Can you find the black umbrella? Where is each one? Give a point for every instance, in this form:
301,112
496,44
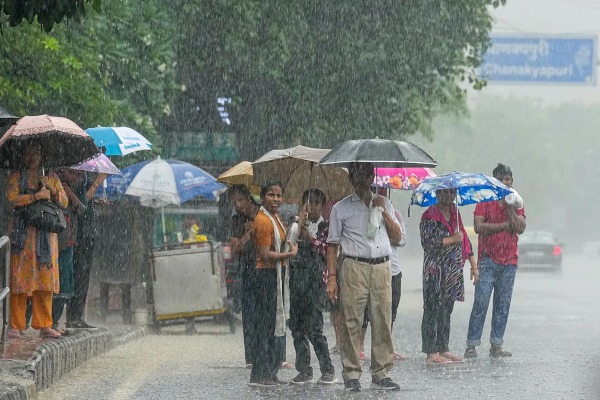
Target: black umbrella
62,141
6,118
380,152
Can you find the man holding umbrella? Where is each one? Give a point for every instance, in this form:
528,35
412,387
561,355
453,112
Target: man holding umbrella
364,277
498,225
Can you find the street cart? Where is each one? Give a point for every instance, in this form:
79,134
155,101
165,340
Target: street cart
188,281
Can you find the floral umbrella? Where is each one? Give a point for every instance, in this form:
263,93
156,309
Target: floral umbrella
470,188
62,141
401,178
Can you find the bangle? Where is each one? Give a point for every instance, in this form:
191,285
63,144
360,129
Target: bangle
330,275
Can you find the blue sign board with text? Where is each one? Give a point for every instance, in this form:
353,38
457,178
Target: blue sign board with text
541,59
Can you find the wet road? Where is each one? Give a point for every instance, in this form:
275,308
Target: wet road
553,332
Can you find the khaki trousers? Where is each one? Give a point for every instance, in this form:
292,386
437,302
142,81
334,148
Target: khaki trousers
362,284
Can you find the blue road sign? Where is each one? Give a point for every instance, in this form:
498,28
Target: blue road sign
541,59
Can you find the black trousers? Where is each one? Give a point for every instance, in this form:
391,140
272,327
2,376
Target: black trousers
435,327
396,294
248,312
82,267
263,293
307,300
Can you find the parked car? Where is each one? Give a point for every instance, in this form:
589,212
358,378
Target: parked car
538,250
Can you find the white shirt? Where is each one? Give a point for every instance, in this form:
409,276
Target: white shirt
394,257
348,227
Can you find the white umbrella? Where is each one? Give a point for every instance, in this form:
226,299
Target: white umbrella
162,182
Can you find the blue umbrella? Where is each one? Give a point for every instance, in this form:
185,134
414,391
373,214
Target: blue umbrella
161,182
119,141
470,188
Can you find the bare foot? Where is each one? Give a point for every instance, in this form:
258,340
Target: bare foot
451,357
436,358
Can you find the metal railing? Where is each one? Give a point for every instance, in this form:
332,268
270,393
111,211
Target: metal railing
5,244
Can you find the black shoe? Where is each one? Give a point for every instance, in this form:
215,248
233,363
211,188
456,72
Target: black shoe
497,352
327,379
80,325
385,384
264,383
301,379
279,381
352,385
470,352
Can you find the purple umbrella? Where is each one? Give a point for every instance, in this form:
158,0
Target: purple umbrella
100,164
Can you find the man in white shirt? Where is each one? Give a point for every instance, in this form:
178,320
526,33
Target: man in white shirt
365,276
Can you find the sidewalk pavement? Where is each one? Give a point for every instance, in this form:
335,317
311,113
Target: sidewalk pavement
30,363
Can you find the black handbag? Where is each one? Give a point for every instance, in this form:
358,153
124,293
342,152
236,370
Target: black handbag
45,216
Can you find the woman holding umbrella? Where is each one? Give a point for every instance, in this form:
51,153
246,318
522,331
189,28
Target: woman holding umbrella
446,247
34,255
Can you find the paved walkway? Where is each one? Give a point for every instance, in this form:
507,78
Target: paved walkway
30,363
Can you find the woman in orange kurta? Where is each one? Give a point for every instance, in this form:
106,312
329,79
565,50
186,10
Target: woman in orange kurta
31,274
265,289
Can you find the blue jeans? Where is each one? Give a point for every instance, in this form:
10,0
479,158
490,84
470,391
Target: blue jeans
500,279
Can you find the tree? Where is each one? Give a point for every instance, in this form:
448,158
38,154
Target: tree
117,68
46,12
316,72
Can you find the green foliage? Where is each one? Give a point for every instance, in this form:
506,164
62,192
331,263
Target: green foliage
116,69
310,72
316,72
47,12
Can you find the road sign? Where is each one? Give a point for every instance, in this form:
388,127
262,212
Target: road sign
541,59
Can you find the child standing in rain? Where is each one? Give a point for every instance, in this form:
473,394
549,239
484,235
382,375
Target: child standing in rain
307,291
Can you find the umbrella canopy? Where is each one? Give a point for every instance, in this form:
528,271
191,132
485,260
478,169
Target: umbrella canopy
381,152
401,178
62,141
119,141
470,188
100,164
6,118
297,169
162,182
240,174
